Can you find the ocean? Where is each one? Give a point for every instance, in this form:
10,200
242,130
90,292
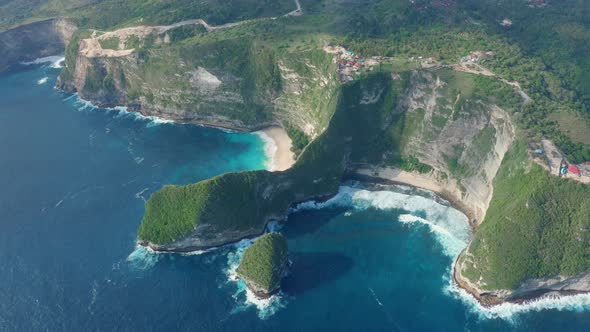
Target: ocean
73,183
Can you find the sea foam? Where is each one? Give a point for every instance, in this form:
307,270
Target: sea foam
243,296
450,226
452,231
143,258
54,60
270,150
511,311
122,111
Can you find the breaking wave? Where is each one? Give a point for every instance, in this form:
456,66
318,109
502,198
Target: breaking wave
143,258
511,311
450,226
122,111
452,231
270,150
54,60
43,80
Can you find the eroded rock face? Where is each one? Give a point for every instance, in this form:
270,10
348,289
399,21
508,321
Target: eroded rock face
444,131
195,85
33,41
530,289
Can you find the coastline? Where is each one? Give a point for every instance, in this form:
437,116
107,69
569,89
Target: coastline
277,149
423,181
277,146
400,177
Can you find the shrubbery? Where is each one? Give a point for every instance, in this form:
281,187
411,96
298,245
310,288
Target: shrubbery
264,262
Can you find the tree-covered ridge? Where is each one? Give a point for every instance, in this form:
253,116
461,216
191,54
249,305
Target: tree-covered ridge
264,262
359,132
256,196
537,226
175,211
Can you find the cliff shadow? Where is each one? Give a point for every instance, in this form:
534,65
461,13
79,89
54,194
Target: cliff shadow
310,221
312,270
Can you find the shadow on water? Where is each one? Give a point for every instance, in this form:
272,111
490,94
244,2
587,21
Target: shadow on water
311,221
312,270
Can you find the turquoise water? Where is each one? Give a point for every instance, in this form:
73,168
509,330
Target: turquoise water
73,184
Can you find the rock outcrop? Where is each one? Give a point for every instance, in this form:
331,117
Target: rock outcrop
264,264
529,290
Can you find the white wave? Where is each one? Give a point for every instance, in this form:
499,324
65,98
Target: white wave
43,80
452,245
143,258
451,229
55,61
449,225
270,150
511,311
197,252
139,194
58,64
122,111
274,226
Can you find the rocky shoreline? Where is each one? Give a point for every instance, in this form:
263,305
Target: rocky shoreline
531,290
486,299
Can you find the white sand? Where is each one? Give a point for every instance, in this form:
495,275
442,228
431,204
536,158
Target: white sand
277,148
424,181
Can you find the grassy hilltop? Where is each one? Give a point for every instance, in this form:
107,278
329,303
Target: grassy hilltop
264,263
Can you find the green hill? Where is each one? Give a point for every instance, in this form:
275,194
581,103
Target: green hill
264,263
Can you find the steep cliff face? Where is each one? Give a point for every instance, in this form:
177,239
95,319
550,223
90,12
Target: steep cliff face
32,41
442,130
208,78
463,138
455,131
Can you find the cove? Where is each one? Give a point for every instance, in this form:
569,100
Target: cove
73,184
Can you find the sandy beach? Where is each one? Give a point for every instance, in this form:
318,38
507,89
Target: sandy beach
277,148
428,182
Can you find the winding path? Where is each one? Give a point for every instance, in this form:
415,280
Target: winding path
91,47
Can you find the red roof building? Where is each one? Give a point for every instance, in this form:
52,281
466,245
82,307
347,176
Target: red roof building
573,169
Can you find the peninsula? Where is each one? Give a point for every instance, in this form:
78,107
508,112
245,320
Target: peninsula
438,94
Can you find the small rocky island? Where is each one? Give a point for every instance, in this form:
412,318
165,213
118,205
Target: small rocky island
264,263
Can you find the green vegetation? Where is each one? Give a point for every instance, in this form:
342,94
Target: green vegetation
412,164
103,14
111,43
174,211
264,262
536,226
255,196
17,12
106,14
298,138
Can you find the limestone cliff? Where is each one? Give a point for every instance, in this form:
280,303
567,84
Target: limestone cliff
211,79
32,41
446,124
462,138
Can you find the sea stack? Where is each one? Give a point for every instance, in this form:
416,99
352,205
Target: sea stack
264,263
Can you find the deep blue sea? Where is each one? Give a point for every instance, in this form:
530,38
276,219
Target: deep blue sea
73,181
